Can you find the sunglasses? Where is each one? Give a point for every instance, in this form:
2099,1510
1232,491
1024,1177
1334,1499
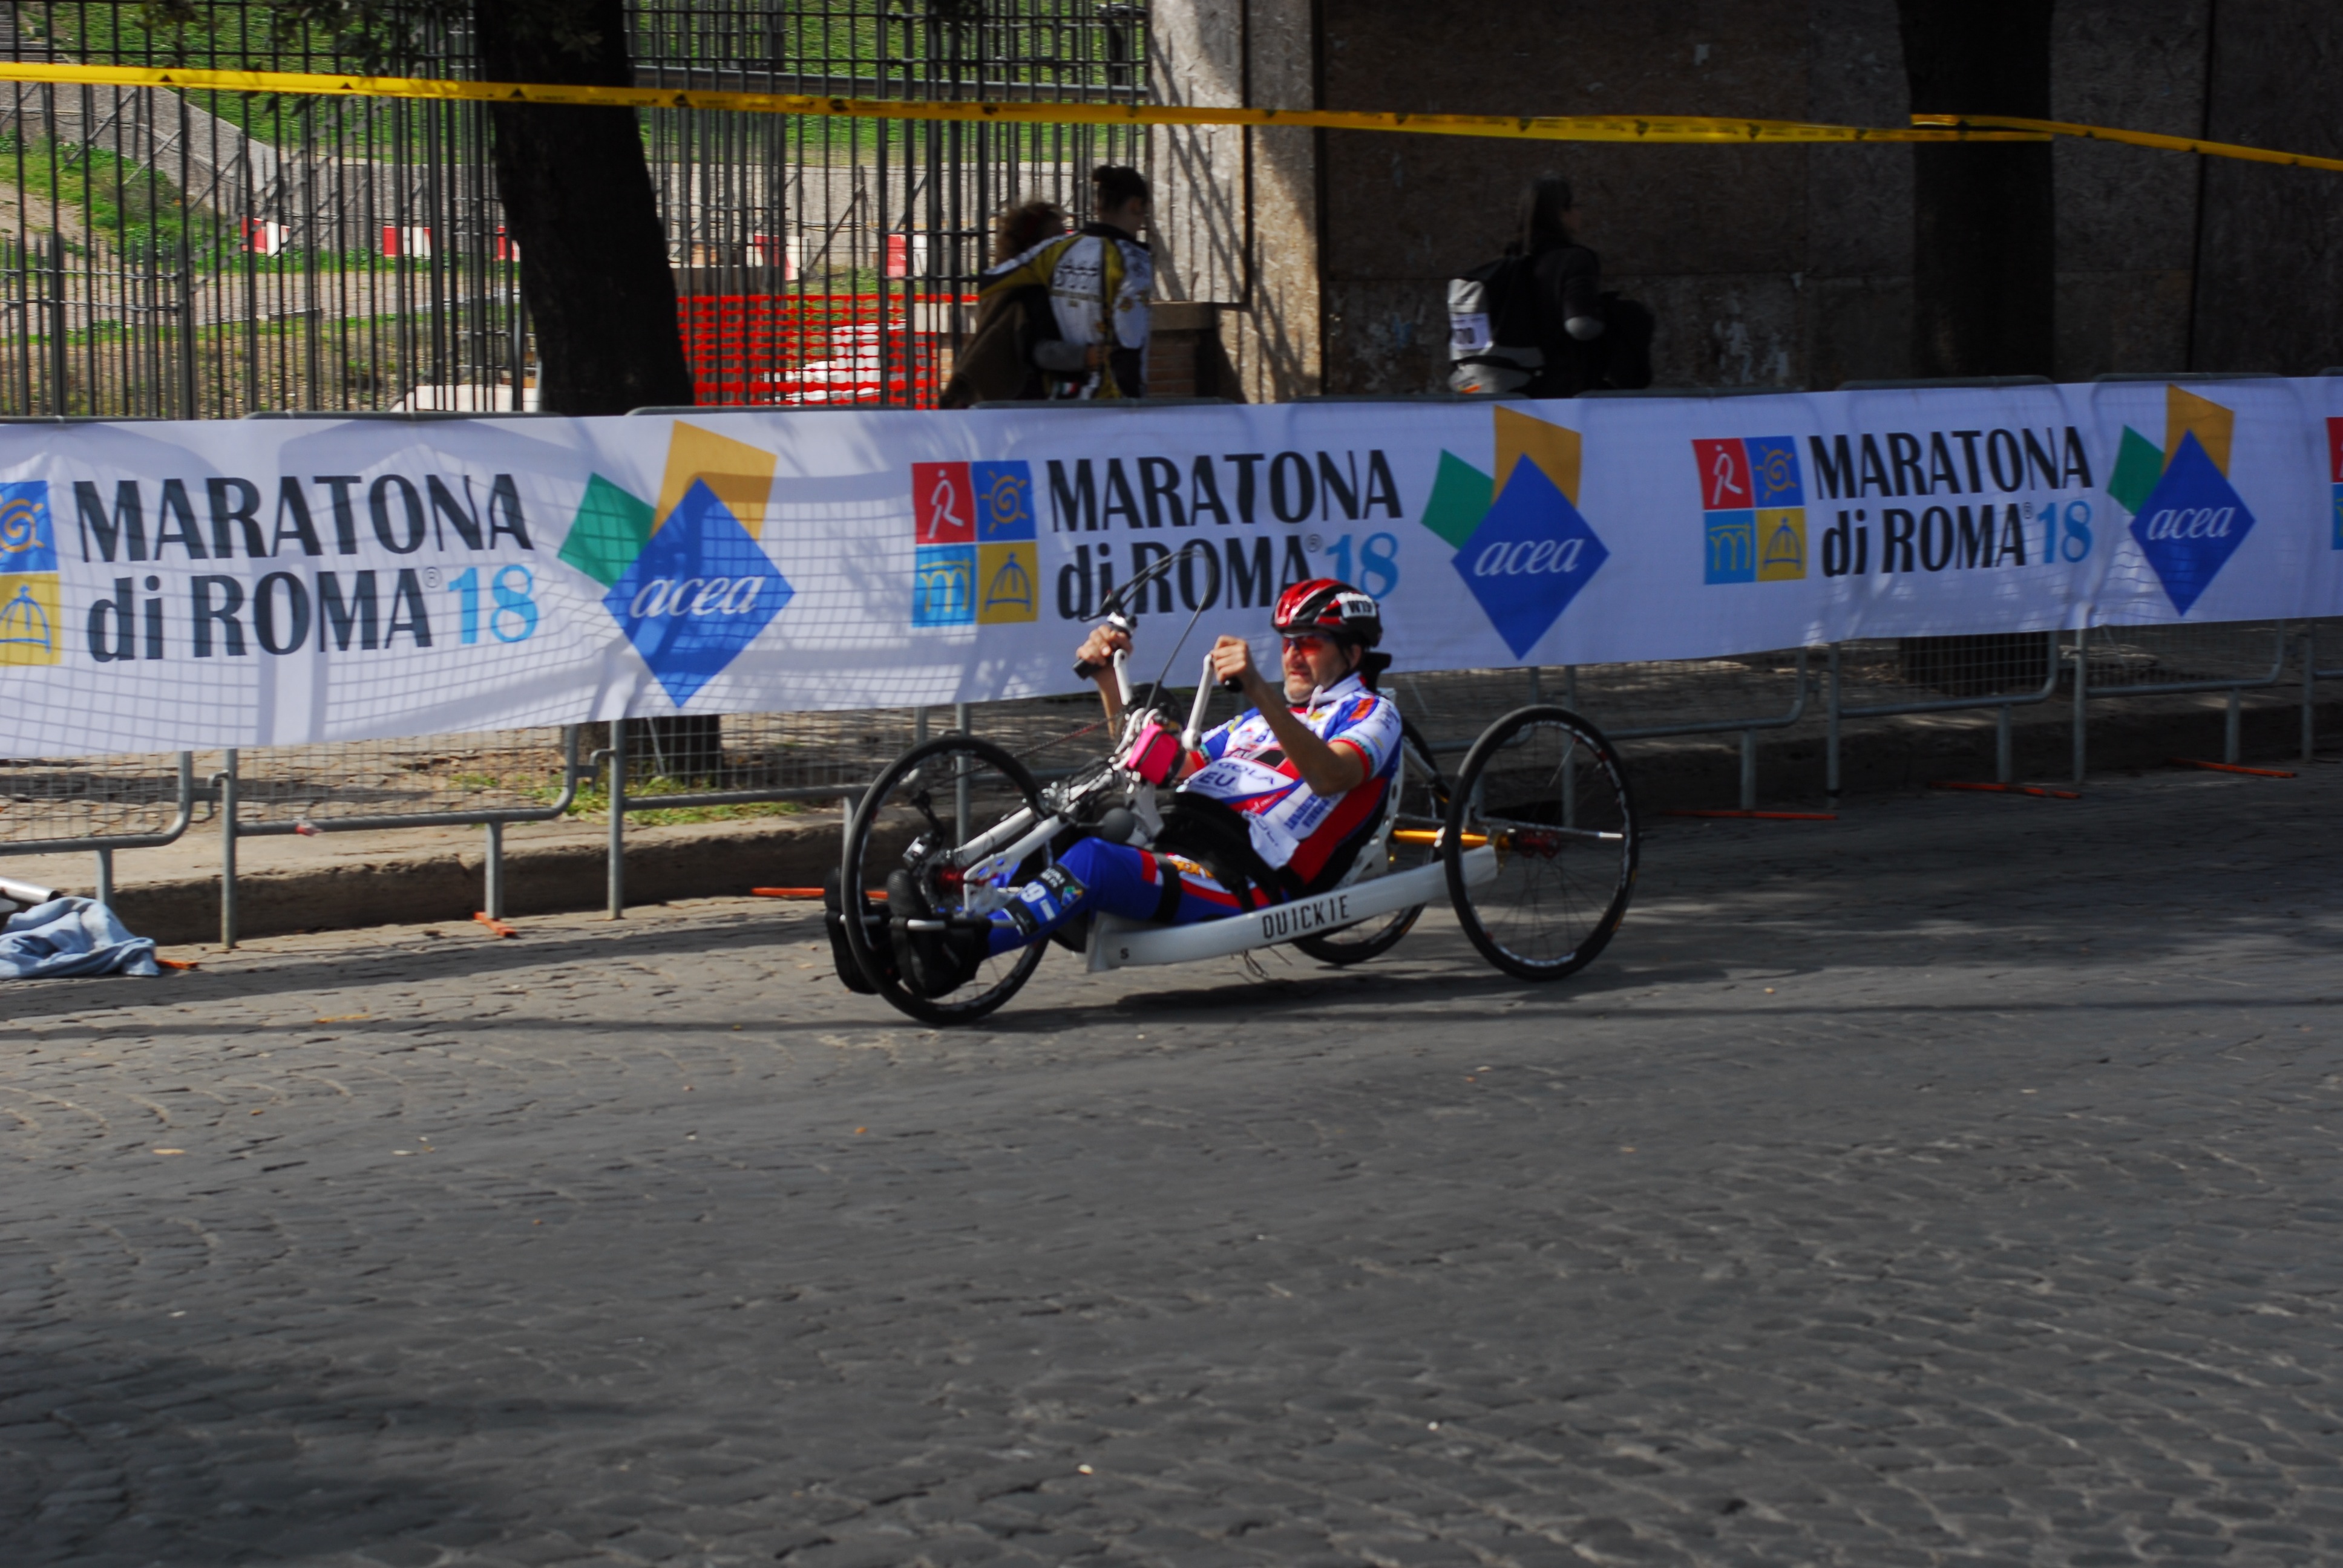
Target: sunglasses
1308,642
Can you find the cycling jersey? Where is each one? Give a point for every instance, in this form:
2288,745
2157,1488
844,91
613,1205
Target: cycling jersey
1292,826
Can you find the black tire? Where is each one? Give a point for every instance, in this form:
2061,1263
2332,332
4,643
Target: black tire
841,955
1548,790
1423,809
903,801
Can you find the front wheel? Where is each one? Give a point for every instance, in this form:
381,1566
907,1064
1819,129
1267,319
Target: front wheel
1546,790
931,800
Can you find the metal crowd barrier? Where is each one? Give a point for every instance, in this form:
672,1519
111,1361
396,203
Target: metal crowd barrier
103,806
95,782
367,768
2130,659
2312,675
1992,671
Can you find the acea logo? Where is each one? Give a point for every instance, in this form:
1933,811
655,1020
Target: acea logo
686,580
977,562
30,619
2185,517
1521,546
1753,508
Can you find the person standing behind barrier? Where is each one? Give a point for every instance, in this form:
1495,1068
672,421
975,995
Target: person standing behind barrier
1012,316
1566,279
1098,279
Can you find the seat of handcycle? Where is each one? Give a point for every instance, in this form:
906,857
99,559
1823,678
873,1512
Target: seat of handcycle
1219,838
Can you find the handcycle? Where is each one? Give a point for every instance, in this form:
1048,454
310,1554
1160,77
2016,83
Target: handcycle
1535,843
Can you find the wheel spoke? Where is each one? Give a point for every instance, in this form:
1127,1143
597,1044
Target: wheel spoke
897,826
1545,788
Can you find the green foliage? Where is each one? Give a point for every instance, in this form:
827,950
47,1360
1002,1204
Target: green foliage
310,35
595,801
369,35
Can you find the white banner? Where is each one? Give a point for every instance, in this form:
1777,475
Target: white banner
256,583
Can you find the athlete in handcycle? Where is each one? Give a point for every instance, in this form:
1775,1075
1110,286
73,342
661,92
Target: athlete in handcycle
1318,817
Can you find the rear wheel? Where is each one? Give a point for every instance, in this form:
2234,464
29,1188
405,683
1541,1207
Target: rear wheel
1545,791
1410,841
931,800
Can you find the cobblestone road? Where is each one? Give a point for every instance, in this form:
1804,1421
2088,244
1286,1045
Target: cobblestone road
1954,1184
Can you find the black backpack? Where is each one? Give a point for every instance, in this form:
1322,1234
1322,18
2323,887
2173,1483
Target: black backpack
1626,342
1492,328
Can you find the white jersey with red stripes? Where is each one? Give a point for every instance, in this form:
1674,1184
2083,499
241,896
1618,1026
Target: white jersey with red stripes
1291,825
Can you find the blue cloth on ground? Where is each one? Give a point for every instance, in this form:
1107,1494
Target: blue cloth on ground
72,937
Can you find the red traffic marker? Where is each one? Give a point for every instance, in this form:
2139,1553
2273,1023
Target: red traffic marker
879,894
498,926
2227,767
2035,789
1763,815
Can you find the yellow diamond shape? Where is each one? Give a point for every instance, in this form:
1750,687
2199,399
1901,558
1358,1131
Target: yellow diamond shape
741,475
1549,447
2185,412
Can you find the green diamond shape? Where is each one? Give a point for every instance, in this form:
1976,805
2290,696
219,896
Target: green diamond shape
1460,495
2138,466
610,530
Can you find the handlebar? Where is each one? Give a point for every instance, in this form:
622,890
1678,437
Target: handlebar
1188,737
1085,670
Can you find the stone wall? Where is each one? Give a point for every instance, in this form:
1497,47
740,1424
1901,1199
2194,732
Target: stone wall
2270,278
1237,219
1765,265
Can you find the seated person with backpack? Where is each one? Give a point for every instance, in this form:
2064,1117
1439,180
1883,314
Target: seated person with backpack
1537,321
1273,805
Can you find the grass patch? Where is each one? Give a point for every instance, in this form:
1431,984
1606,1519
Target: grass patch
139,210
596,803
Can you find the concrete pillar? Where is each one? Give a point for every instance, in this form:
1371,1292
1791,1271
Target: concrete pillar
1237,206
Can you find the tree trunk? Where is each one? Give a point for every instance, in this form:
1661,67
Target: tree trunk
1983,283
577,200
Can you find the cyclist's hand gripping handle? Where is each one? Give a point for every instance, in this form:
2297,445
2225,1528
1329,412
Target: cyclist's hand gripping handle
1088,669
1108,644
1234,680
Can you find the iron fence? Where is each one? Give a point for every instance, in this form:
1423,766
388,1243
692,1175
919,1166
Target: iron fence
206,255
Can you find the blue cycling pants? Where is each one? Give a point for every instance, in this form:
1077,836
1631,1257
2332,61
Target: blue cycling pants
1137,884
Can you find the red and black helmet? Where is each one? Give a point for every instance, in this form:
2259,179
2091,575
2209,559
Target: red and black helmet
1337,608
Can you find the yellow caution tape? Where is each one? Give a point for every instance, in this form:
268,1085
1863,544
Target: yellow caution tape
1714,130
2132,139
1694,128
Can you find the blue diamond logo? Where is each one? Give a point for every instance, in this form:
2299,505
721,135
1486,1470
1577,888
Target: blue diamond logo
2191,525
699,593
1529,557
